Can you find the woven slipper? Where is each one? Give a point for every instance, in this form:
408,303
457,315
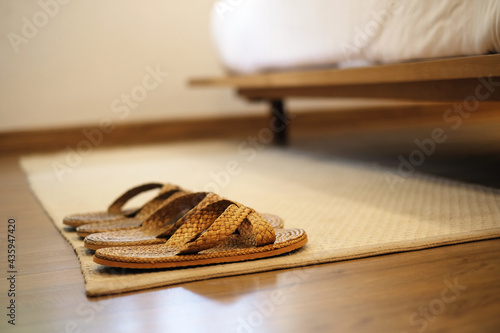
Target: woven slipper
115,210
208,237
128,223
163,223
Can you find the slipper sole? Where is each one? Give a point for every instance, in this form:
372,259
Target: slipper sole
77,220
159,256
121,224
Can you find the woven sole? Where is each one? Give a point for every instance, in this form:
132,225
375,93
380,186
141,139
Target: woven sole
141,239
77,220
160,256
121,224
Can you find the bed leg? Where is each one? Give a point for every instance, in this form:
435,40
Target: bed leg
279,122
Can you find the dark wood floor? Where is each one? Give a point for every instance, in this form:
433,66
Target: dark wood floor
445,289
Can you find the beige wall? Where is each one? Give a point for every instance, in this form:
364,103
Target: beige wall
76,68
76,62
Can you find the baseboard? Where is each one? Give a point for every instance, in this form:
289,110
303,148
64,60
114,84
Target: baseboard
129,134
301,123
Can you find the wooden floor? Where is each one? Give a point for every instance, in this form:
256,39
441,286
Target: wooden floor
445,289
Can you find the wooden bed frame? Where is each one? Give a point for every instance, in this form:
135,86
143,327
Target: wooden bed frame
443,80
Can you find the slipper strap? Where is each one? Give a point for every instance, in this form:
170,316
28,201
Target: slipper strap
193,225
211,225
194,208
160,200
116,206
256,230
225,225
176,206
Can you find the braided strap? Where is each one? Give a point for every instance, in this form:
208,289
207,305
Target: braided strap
116,206
211,225
180,204
167,194
192,205
255,230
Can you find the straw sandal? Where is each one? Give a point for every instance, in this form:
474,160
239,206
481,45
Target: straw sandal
221,232
128,223
115,210
163,223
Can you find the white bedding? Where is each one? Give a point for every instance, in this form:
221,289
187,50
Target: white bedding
261,35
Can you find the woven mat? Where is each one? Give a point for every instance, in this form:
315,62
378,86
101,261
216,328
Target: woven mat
348,210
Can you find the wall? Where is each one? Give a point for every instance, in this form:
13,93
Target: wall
72,63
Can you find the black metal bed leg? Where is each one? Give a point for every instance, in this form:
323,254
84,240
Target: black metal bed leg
279,122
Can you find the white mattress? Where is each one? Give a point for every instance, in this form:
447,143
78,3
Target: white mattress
262,35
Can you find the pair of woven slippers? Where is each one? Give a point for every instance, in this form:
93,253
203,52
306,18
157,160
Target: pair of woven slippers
182,229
